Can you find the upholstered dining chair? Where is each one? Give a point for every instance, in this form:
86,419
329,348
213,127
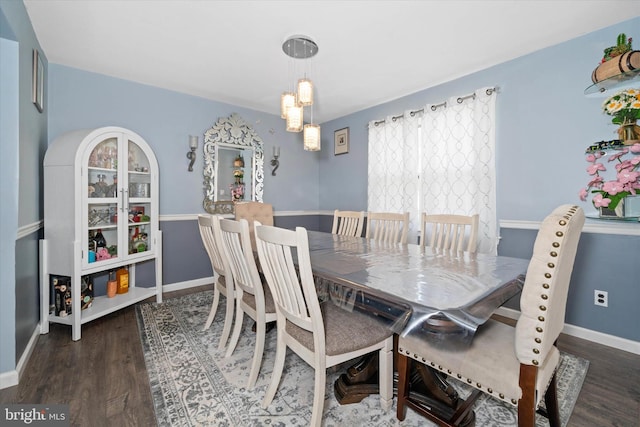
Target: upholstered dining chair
388,227
212,244
251,298
516,365
449,232
254,211
348,223
323,335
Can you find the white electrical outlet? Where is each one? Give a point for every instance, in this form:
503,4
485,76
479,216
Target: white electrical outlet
601,298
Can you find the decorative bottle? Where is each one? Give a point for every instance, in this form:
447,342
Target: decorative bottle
112,285
101,242
122,278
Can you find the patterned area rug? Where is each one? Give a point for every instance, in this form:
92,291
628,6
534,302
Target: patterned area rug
193,384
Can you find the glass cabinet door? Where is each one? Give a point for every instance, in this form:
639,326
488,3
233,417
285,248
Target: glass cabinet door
103,204
139,204
119,209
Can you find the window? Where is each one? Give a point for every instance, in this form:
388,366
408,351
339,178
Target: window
440,159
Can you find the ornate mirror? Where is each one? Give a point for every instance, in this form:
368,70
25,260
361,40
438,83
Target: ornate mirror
233,165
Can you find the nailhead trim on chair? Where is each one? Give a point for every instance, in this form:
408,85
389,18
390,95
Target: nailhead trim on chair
548,275
477,385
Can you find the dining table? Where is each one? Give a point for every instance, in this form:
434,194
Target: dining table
428,294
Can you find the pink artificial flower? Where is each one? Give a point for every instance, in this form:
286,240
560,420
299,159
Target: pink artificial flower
594,168
583,194
591,158
627,176
596,181
600,202
618,154
635,148
612,187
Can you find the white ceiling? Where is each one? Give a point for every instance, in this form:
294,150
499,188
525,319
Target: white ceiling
370,52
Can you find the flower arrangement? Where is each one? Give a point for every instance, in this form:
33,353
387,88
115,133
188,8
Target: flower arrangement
237,192
623,106
608,194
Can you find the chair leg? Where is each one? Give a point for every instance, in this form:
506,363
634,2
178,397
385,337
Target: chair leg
385,373
237,328
318,391
404,367
551,402
527,403
228,319
257,353
214,308
278,366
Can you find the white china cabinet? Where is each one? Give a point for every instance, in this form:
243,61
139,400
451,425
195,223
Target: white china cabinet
100,214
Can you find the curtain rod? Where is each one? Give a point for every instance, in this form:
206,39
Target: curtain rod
434,107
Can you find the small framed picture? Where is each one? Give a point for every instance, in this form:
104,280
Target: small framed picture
37,85
341,141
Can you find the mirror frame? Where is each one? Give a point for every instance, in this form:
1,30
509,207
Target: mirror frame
231,131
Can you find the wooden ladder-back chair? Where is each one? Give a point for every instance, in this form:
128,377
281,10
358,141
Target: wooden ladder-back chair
323,335
449,232
388,227
516,365
254,211
220,267
348,223
251,298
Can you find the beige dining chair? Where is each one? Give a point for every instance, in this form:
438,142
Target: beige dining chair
516,365
453,233
254,211
387,227
348,223
323,335
220,268
251,298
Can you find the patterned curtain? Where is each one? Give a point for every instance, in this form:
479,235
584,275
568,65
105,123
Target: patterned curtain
441,160
393,170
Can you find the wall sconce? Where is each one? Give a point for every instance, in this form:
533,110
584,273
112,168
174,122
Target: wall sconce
191,155
274,161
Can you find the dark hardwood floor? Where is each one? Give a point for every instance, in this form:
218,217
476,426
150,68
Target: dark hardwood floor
104,380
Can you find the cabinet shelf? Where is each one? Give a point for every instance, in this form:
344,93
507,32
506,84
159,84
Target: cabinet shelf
619,81
104,305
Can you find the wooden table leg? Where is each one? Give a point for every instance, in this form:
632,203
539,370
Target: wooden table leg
421,388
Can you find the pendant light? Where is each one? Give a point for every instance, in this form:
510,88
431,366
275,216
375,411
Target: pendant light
311,137
305,92
287,99
295,118
292,104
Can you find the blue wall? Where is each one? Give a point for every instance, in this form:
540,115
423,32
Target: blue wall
544,124
165,119
24,141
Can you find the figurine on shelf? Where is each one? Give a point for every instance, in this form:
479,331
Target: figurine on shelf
102,254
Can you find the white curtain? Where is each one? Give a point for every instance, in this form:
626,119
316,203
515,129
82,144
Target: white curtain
394,170
440,160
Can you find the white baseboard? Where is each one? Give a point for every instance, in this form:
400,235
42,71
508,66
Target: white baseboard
11,378
8,379
586,334
188,284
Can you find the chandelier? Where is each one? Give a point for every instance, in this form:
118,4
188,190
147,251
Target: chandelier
292,103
